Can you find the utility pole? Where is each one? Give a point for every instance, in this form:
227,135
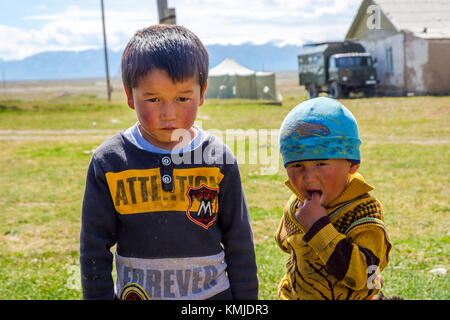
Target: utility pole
166,15
108,86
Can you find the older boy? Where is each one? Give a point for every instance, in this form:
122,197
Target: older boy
332,227
181,227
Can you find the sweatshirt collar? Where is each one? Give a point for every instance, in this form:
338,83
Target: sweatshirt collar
356,188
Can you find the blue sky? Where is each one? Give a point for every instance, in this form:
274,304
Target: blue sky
28,27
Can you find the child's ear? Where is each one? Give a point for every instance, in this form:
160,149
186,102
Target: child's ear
202,98
129,99
354,166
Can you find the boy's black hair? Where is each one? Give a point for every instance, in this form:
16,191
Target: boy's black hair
167,47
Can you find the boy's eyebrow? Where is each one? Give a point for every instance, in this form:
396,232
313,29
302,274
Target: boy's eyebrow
154,93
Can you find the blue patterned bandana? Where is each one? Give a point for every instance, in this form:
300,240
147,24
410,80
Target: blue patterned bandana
319,128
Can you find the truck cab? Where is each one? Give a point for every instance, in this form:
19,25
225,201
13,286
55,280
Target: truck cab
351,72
336,68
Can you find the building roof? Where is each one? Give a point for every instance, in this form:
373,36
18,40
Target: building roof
428,19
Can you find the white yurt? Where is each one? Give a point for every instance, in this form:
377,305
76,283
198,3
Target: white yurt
231,80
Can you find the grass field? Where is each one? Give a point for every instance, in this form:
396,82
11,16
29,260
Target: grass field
47,133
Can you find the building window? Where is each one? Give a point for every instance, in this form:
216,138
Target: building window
389,60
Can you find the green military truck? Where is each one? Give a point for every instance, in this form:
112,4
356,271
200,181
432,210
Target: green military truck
336,68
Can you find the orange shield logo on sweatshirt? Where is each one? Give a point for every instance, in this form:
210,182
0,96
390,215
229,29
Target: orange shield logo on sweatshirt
203,205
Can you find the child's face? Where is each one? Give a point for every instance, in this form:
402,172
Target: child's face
163,106
328,177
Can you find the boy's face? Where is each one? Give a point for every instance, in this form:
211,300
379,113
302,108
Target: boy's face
163,106
327,177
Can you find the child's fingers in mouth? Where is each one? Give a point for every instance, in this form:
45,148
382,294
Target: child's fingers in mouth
310,193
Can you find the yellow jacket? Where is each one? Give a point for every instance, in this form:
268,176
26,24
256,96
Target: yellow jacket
340,256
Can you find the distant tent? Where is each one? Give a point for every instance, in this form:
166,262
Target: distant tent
231,80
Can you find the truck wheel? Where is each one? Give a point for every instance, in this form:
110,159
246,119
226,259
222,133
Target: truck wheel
335,91
369,91
345,93
312,91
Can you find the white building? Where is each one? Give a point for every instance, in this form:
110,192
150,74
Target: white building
410,40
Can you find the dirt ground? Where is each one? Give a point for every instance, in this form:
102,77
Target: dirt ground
56,88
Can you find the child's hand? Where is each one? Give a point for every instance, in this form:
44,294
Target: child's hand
310,211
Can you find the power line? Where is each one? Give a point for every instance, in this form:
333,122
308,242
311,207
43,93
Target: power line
108,86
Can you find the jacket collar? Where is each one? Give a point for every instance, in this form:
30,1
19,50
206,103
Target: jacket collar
356,188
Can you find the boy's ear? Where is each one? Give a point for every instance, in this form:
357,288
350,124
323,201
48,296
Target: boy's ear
129,99
354,166
202,98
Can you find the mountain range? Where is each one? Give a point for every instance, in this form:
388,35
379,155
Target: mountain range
51,65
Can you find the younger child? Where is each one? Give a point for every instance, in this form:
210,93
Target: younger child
181,228
332,227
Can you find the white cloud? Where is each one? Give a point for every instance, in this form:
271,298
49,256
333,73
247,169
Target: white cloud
219,21
72,29
287,21
72,12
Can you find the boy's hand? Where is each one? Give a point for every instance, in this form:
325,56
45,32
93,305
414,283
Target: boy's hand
310,211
